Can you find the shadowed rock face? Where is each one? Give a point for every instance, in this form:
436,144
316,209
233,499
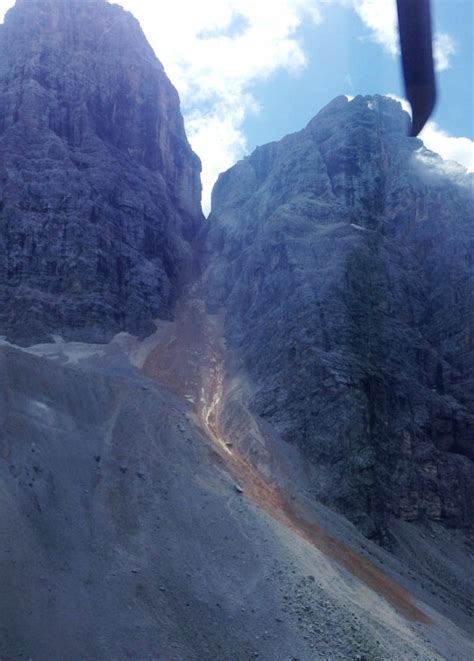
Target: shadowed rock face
344,255
99,189
166,520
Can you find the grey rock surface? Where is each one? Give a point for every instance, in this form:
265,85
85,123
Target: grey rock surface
344,258
160,499
122,537
99,189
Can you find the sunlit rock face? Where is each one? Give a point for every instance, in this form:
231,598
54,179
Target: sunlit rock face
344,256
99,189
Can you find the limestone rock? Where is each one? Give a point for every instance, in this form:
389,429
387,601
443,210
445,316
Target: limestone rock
99,189
344,256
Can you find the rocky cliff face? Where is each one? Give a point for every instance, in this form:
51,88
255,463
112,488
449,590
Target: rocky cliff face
99,189
146,510
344,257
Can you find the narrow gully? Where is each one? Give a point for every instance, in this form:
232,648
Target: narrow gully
190,360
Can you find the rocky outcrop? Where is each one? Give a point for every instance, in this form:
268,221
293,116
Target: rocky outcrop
344,257
99,189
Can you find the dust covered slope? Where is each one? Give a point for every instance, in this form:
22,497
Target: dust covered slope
123,535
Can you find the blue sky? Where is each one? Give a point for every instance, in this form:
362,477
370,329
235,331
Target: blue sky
343,59
252,71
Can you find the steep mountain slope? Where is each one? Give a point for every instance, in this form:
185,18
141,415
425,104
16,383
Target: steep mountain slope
124,534
99,189
152,506
344,257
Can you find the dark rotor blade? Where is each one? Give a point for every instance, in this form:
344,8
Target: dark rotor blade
414,24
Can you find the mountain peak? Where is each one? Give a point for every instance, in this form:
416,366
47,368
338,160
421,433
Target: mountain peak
87,20
100,191
334,253
376,110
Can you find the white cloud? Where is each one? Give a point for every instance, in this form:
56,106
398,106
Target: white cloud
443,48
380,16
449,147
404,103
5,5
219,140
432,164
214,51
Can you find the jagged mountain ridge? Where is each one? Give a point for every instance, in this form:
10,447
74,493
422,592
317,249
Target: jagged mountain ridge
99,189
344,258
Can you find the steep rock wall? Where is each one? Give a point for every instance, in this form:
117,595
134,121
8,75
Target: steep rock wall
344,257
99,189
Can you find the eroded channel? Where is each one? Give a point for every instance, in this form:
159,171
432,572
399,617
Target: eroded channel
190,361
